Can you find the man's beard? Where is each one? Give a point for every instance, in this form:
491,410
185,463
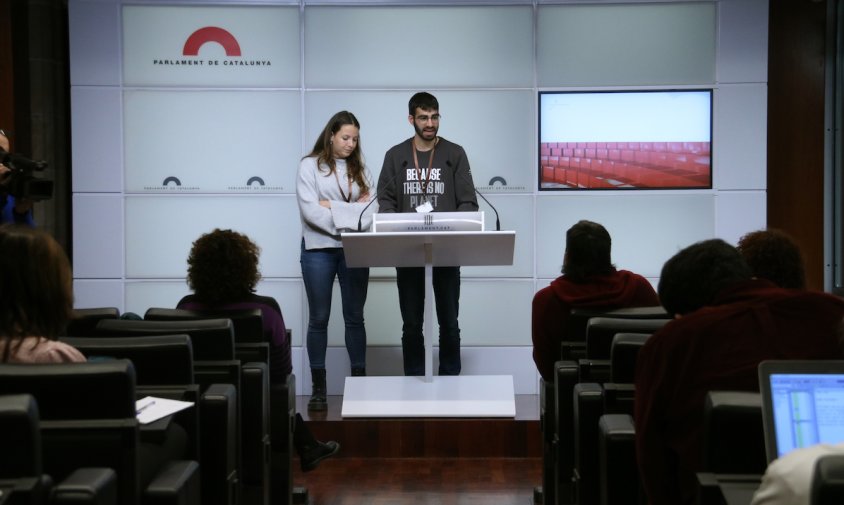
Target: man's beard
421,134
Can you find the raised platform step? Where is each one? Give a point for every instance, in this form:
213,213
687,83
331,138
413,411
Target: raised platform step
517,437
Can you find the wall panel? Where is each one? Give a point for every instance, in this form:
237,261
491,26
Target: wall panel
485,62
478,46
629,44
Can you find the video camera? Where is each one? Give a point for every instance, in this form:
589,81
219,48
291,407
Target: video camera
21,181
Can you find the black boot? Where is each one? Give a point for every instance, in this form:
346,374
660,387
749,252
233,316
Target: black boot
311,451
358,372
318,400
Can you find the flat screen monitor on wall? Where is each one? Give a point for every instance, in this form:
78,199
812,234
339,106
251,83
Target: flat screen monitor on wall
649,139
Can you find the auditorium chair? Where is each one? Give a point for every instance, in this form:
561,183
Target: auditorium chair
88,419
732,450
22,478
247,323
568,373
733,440
211,339
828,480
84,321
574,345
214,363
251,345
546,494
164,366
618,476
591,401
732,447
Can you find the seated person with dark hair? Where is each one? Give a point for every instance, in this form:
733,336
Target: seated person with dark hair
730,323
223,273
774,255
589,280
36,298
36,303
12,211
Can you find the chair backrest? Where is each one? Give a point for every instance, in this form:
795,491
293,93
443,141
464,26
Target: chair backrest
578,317
87,415
158,359
733,437
21,453
601,330
101,390
248,323
828,481
85,320
211,339
623,353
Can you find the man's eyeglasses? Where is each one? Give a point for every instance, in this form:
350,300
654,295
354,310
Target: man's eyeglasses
424,119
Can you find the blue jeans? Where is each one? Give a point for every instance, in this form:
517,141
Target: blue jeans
411,284
319,267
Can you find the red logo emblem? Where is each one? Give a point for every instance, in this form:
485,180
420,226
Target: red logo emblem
211,34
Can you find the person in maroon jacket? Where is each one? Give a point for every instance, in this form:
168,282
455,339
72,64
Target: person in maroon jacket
589,280
726,323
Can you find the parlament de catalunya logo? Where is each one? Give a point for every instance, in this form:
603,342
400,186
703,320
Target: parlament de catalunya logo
217,35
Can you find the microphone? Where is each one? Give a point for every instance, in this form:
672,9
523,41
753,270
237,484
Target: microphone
392,179
471,183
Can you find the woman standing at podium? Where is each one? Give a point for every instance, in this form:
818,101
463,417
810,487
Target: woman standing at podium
333,189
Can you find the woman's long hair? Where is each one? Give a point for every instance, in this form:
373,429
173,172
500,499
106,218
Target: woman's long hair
36,286
323,153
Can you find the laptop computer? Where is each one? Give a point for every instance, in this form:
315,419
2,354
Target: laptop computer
802,404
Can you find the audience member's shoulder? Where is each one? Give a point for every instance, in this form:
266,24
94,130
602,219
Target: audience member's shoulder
543,293
59,352
42,350
813,299
630,274
636,278
186,299
269,301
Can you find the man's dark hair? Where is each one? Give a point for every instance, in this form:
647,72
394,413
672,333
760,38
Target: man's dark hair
692,277
588,251
424,101
773,255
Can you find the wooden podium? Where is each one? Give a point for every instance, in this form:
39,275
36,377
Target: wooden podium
429,243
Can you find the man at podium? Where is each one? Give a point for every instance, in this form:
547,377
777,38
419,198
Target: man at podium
427,173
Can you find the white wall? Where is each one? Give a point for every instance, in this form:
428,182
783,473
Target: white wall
136,122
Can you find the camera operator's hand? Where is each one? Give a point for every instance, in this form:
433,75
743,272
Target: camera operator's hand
4,174
4,170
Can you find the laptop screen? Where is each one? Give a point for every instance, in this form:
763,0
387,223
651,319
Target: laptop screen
803,404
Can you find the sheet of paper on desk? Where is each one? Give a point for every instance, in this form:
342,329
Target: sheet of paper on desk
153,408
